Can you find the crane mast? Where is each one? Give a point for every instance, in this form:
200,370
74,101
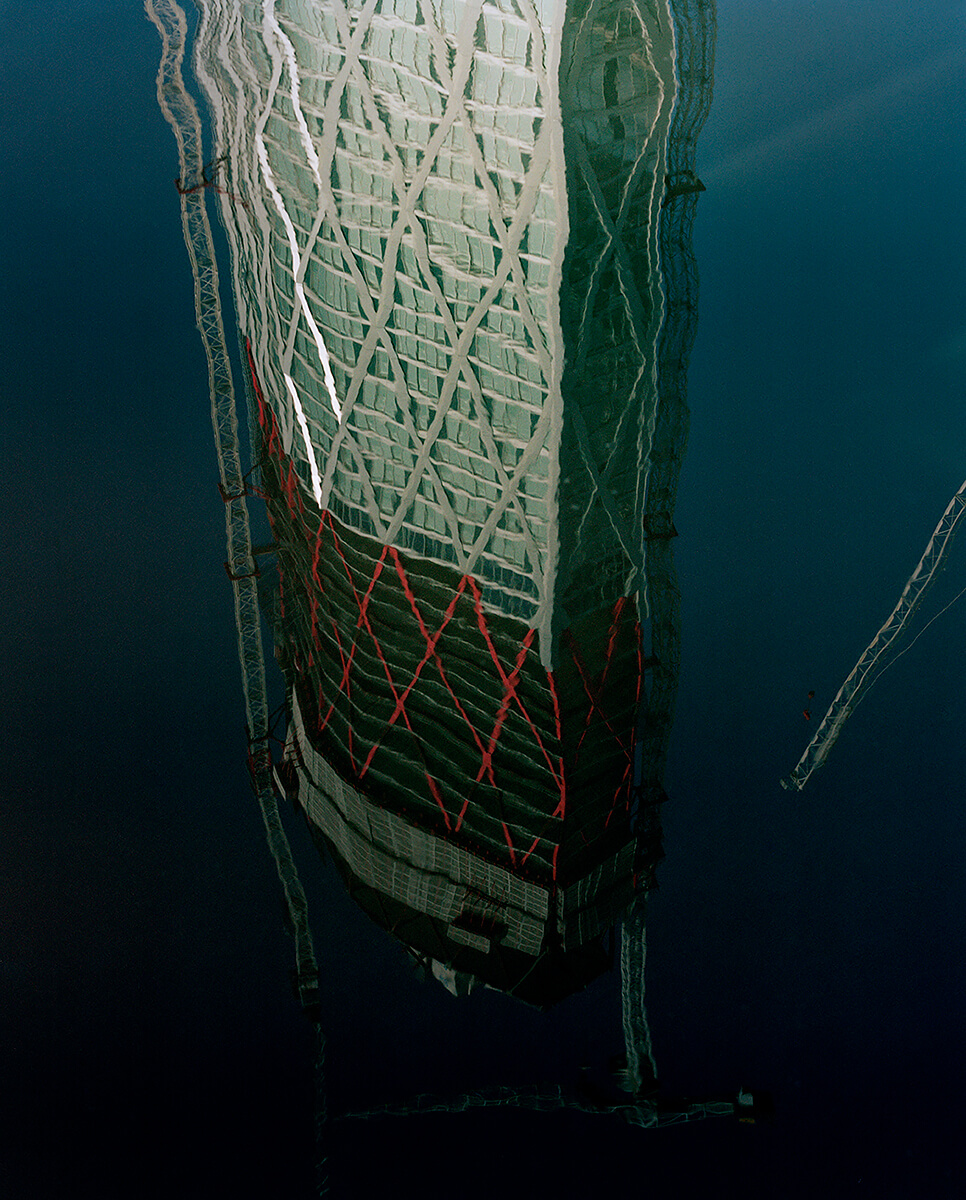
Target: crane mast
181,113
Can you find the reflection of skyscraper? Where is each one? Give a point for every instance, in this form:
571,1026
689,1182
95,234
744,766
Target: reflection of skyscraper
448,228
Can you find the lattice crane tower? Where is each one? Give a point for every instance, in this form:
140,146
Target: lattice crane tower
181,114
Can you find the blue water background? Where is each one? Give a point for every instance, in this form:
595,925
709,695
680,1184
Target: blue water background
810,944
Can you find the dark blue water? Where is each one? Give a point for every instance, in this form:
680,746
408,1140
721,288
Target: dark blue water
810,944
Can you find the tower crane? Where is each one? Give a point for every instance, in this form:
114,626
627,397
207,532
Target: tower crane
181,113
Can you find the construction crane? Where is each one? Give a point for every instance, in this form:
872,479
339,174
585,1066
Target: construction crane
193,183
875,657
181,113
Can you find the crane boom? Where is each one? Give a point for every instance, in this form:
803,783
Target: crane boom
874,658
648,1114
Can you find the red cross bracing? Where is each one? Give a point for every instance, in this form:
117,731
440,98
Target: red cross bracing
438,708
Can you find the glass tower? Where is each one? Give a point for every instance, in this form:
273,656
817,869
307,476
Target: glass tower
460,245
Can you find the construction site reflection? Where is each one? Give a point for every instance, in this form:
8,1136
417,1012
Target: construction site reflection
461,264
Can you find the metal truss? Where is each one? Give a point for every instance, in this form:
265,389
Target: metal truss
874,658
181,113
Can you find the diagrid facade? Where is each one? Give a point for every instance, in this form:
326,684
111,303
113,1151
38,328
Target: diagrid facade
459,242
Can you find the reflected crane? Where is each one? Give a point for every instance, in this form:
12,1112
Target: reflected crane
181,113
875,657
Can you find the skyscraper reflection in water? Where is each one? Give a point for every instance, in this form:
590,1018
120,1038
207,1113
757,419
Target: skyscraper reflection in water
461,265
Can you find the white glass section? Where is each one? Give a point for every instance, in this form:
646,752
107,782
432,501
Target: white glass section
400,217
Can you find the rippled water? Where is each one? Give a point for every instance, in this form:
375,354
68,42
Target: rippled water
561,546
